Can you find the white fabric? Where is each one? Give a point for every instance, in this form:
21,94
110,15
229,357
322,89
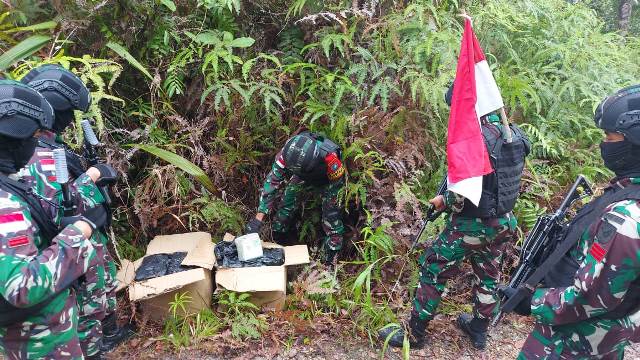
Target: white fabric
470,188
487,92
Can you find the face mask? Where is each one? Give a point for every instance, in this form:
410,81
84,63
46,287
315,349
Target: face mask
62,120
23,153
621,157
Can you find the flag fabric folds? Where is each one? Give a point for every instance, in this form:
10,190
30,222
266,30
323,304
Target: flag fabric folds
475,94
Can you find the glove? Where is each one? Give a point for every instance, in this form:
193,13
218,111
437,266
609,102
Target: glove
108,175
253,226
96,217
523,307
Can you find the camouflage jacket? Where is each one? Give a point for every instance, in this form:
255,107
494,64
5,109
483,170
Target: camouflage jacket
609,256
31,271
274,181
39,174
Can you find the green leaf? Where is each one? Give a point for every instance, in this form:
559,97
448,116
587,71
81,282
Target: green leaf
23,49
181,163
123,53
242,42
35,27
169,4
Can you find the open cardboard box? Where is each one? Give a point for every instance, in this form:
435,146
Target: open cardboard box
267,284
155,294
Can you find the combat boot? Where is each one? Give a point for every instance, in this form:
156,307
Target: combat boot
417,334
113,335
475,328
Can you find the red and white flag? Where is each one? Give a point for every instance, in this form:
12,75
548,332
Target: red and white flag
475,94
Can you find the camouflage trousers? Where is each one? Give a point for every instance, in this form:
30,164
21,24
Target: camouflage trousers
596,339
331,216
481,241
52,334
96,298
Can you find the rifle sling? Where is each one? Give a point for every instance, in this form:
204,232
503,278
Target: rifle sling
585,217
10,314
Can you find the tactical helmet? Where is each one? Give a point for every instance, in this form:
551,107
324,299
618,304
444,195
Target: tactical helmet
620,113
62,89
301,153
22,110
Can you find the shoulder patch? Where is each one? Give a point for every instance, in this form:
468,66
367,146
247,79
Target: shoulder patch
18,241
607,231
597,251
12,223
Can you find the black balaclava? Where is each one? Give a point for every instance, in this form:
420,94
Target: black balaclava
15,153
621,157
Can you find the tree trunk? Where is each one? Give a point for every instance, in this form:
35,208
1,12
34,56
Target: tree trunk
624,16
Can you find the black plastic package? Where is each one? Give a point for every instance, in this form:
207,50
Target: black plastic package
227,256
157,265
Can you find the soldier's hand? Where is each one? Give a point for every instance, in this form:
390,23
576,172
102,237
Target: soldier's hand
524,307
253,226
438,202
95,217
108,175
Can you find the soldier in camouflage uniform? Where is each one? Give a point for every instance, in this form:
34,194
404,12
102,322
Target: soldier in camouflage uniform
309,162
96,298
39,260
477,233
590,309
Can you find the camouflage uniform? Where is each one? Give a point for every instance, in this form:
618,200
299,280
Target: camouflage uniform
91,294
567,318
331,217
479,240
30,272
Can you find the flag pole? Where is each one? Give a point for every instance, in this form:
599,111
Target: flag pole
505,124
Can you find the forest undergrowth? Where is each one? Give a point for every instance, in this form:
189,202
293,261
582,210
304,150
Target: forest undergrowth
194,99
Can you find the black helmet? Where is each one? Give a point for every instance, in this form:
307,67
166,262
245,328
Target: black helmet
301,153
22,110
620,112
62,89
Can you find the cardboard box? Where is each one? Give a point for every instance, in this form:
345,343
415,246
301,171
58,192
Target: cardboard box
156,294
267,284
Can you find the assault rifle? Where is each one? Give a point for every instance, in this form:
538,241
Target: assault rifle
90,153
540,242
432,214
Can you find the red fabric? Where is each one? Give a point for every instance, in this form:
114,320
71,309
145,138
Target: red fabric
18,241
47,162
597,252
7,218
467,155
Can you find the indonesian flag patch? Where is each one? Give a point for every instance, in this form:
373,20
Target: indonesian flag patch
598,252
334,166
280,161
12,223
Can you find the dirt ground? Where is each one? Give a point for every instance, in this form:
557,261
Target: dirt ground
335,342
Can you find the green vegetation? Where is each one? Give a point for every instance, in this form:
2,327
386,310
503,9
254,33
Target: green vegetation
214,87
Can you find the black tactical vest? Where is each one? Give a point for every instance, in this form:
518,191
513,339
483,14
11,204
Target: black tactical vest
317,173
500,189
